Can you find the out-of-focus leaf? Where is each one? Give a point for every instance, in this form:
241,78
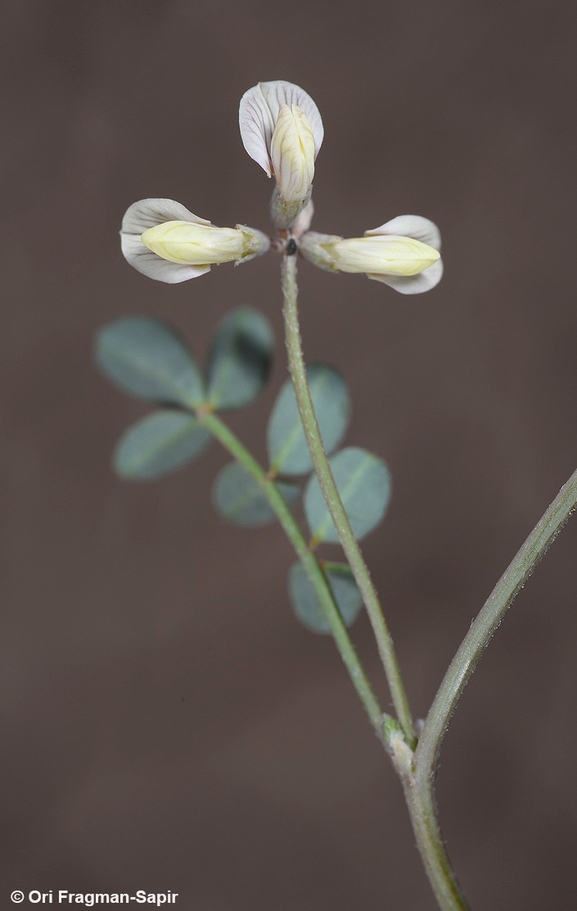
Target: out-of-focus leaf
240,359
239,498
287,446
364,484
159,443
306,603
147,358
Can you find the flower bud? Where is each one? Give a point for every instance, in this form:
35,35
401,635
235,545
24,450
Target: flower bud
410,261
282,130
165,241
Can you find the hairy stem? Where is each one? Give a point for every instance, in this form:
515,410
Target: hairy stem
286,519
462,666
333,500
423,813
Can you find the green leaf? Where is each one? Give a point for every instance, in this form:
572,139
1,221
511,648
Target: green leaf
306,603
239,498
240,359
146,357
364,484
287,446
159,443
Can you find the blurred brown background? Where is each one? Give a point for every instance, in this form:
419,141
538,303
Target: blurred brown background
166,723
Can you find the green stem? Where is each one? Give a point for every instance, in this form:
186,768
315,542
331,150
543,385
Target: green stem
423,813
420,788
333,500
343,642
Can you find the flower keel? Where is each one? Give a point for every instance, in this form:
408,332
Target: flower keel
293,153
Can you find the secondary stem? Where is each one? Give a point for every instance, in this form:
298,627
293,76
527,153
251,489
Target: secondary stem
343,642
333,500
464,663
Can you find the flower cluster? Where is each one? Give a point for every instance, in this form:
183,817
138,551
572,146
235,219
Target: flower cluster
282,130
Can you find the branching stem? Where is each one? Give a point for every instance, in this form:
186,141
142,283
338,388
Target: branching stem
416,769
286,519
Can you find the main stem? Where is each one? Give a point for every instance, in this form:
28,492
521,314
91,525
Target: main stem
423,817
333,500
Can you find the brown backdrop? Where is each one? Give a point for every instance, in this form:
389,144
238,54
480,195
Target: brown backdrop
166,723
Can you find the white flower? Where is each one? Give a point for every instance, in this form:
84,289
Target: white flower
282,130
163,240
402,253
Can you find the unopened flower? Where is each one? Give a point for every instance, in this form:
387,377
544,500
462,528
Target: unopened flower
403,253
163,240
282,130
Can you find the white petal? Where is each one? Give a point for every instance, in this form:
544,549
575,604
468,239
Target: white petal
151,265
411,226
147,213
256,127
279,92
258,112
413,284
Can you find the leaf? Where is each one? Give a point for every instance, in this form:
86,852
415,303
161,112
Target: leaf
159,443
306,603
287,446
239,498
240,359
364,484
146,357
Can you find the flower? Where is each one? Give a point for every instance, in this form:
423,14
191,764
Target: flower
402,253
163,240
282,130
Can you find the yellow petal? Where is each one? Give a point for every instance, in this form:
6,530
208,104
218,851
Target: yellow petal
293,154
193,244
383,254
